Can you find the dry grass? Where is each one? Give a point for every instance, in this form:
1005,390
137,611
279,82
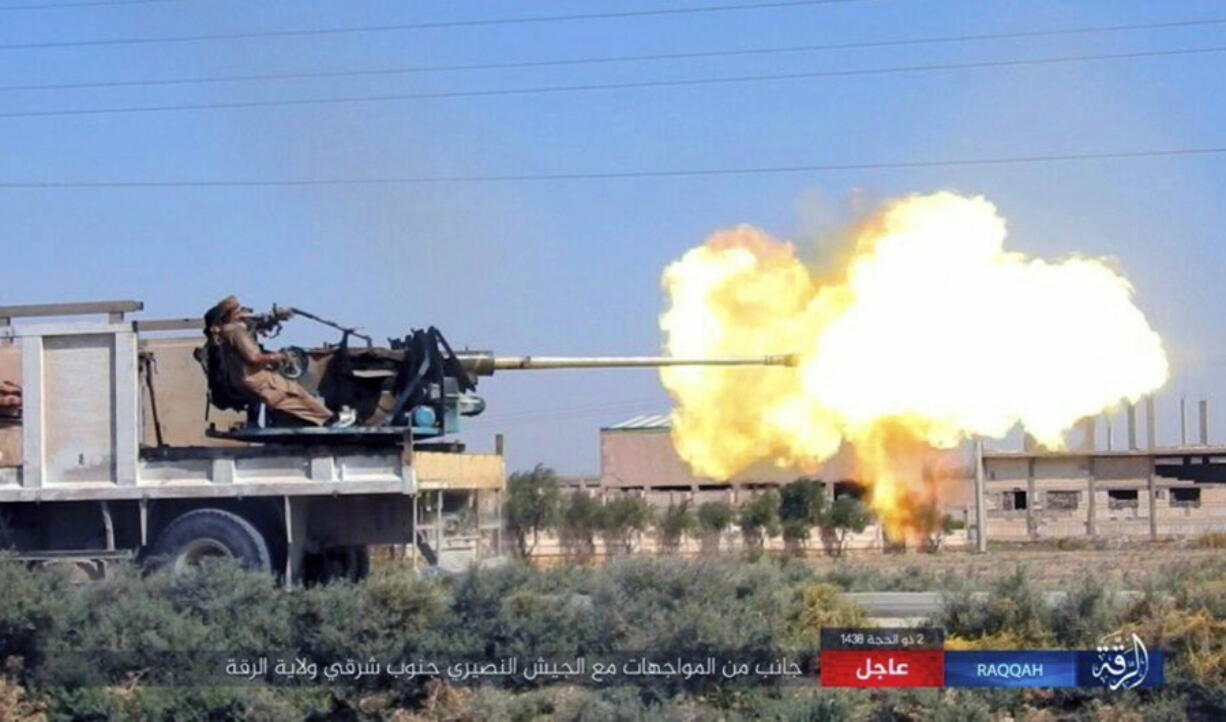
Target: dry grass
1216,540
1048,566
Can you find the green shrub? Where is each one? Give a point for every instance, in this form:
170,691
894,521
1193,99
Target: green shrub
33,610
621,519
1013,605
714,518
663,608
815,605
532,506
581,517
760,519
1091,609
801,705
847,515
803,500
674,524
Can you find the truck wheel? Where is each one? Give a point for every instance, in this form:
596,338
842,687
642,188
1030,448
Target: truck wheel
347,563
205,534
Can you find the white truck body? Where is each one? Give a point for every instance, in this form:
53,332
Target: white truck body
86,488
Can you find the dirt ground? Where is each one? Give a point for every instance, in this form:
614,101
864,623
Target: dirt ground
1044,563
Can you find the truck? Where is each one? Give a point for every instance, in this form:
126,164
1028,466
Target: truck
118,454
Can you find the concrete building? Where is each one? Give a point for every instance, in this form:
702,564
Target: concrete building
1034,494
1130,488
637,455
1028,494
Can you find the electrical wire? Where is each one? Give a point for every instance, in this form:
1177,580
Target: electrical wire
620,175
739,52
480,22
97,3
632,85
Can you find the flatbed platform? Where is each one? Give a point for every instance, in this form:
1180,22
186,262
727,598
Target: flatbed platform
353,435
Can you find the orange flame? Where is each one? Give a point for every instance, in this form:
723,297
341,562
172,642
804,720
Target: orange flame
930,333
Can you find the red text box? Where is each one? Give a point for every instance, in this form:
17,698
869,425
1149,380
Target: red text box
883,668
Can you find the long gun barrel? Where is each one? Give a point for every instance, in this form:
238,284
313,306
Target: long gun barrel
482,363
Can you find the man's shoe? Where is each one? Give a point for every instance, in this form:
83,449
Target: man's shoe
346,418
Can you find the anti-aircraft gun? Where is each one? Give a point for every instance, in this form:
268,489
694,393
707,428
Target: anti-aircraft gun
90,474
417,386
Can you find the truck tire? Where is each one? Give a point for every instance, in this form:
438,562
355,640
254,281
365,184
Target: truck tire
340,563
204,534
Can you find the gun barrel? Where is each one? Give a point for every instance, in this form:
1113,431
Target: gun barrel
485,364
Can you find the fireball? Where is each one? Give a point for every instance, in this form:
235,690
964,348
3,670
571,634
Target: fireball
929,334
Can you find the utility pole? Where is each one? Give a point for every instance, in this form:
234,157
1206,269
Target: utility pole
1183,421
981,536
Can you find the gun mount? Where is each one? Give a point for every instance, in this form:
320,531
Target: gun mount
418,385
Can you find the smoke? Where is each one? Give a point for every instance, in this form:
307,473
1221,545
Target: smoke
927,333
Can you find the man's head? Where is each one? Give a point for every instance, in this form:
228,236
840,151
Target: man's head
226,310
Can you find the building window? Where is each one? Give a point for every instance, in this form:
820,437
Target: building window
848,488
1121,498
1013,500
1185,497
1063,500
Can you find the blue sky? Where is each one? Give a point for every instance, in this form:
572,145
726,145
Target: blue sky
572,267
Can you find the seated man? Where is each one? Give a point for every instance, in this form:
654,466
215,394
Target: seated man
10,399
248,367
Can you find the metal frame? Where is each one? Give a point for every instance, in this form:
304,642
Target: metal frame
318,469
114,310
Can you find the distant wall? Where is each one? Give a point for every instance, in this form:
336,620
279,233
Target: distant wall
550,547
646,459
1051,497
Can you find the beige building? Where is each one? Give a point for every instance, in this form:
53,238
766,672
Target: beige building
637,455
1158,492
1030,494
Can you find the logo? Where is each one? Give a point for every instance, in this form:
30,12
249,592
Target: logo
1120,662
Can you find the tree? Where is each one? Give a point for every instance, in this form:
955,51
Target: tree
714,517
847,515
759,519
620,519
532,506
801,505
934,525
581,518
795,535
673,524
803,500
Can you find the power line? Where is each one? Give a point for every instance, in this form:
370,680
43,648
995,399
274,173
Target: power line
480,22
95,3
624,58
632,85
619,175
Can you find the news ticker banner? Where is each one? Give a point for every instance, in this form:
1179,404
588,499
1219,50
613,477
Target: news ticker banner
848,658
854,657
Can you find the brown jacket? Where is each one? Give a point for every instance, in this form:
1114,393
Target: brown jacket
243,359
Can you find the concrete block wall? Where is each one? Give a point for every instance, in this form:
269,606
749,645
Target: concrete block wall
731,542
1041,478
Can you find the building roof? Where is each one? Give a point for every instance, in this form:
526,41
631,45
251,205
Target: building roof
649,421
